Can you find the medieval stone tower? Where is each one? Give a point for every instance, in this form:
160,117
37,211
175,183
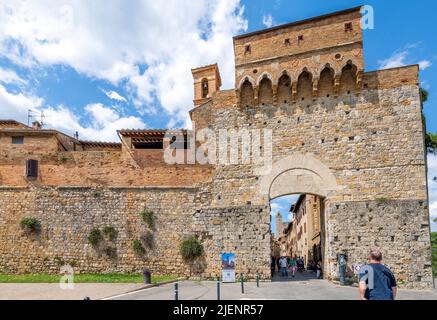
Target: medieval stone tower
279,225
352,137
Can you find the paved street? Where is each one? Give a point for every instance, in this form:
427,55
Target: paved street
52,291
303,287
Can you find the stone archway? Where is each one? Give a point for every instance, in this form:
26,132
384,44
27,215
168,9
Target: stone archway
303,174
298,174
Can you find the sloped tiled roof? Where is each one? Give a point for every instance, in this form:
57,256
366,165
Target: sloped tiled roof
101,144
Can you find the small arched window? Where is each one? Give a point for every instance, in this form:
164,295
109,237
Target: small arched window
205,89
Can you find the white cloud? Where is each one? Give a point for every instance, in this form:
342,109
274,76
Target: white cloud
117,42
268,21
424,64
424,84
104,121
16,106
396,60
113,95
10,76
401,58
275,207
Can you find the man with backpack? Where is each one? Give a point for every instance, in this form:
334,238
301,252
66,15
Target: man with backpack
377,282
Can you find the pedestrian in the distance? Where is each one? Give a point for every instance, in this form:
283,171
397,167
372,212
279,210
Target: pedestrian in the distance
272,265
293,266
283,263
319,269
377,282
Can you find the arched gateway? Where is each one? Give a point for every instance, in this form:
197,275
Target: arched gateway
304,175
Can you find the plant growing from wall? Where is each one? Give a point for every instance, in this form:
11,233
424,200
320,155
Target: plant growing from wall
96,194
138,248
95,237
148,239
30,224
191,249
149,218
381,200
110,232
59,261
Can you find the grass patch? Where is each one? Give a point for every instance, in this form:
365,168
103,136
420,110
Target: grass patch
434,252
84,278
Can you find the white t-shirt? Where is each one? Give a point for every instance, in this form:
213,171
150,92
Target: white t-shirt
283,263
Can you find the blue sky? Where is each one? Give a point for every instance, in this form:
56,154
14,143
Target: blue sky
95,68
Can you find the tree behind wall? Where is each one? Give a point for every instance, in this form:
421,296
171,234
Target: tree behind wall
430,138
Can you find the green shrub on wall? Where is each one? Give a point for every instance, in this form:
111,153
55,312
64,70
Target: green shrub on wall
110,232
63,159
138,248
191,249
30,224
95,237
59,261
381,200
96,194
149,218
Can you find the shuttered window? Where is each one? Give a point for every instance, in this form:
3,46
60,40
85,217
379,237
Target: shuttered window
17,140
32,168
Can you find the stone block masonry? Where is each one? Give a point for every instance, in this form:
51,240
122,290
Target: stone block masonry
68,215
399,228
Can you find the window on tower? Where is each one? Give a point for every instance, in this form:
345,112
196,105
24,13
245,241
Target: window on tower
205,88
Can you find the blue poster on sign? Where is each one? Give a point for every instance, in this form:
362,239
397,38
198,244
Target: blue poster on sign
228,267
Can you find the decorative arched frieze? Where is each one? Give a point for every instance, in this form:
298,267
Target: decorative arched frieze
284,89
264,75
326,81
247,78
348,80
305,86
265,96
246,94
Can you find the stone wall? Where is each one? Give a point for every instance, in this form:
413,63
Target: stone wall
68,215
243,230
399,228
